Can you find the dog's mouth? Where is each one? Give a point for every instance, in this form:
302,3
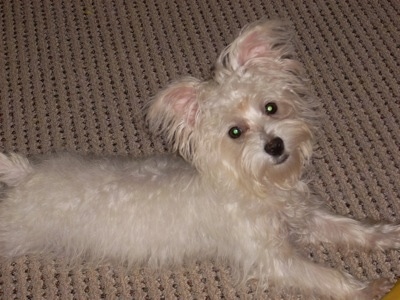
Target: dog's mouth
281,159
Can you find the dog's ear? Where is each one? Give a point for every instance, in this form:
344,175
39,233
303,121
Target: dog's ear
262,39
174,113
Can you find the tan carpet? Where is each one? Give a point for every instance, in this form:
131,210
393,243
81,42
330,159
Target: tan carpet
75,75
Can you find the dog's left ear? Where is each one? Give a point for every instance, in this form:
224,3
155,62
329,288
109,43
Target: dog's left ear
262,39
174,113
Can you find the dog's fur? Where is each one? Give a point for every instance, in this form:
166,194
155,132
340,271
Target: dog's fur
245,137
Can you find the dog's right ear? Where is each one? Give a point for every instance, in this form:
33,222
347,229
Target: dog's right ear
174,112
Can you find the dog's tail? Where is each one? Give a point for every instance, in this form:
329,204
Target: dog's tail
13,168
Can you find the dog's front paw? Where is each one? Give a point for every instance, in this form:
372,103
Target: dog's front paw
388,236
376,289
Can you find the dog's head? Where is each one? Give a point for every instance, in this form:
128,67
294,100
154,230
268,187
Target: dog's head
252,123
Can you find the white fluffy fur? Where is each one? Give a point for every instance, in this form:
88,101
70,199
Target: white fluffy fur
227,198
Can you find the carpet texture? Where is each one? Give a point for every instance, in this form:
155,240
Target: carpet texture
75,76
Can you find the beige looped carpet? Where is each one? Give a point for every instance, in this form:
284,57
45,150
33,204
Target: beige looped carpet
75,75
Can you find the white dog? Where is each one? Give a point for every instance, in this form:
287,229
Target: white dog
245,137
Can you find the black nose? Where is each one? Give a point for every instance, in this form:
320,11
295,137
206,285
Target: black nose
275,147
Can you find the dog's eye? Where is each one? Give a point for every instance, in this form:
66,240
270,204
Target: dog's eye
271,108
235,132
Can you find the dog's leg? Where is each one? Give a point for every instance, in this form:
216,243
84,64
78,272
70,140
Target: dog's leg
321,226
298,272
